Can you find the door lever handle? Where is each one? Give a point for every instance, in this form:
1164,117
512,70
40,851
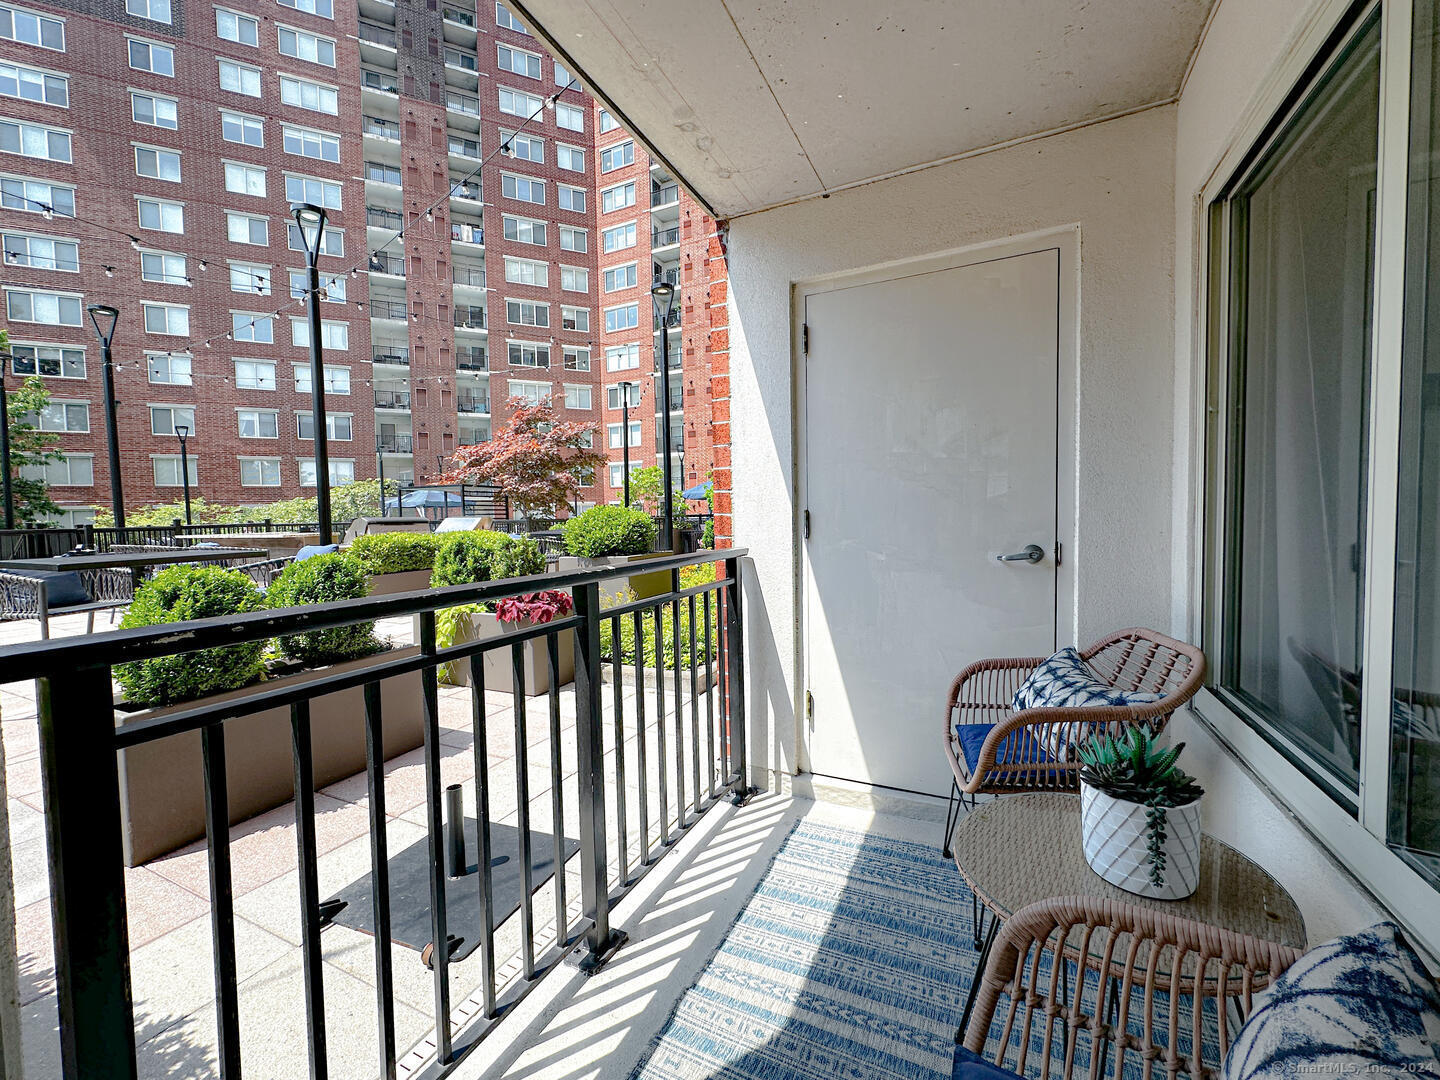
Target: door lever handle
1033,553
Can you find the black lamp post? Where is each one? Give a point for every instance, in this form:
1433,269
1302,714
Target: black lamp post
7,491
310,220
663,296
104,318
182,432
625,438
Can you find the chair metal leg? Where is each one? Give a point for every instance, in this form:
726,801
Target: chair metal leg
980,961
952,816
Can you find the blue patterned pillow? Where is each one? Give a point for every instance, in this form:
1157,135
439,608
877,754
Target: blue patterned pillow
1066,681
1361,1004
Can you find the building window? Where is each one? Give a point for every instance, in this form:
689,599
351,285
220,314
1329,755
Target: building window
562,77
337,426
170,369
164,419
71,417
162,216
232,26
37,196
50,308
527,272
607,122
618,197
31,85
41,252
622,357
167,469
251,278
532,393
523,230
332,288
524,147
332,241
617,157
575,279
624,317
152,57
304,94
254,375
569,157
619,237
508,21
518,61
31,28
577,397
326,193
171,319
528,354
575,318
614,400
333,335
621,277
34,141
154,10
569,117
52,361
259,472
163,268
154,111
341,472
247,228
616,438
519,103
157,164
71,470
239,128
245,179
324,8
302,46
573,239
570,198
527,313
320,145
522,188
239,78
337,379
577,358
248,326
258,423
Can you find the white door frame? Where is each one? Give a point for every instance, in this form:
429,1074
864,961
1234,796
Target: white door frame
1066,241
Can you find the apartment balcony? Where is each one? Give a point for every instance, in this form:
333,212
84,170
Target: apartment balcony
466,277
472,358
462,110
380,128
469,403
469,317
465,233
464,148
670,274
394,355
673,321
379,172
468,191
381,262
392,399
459,25
379,82
388,309
664,238
662,195
377,217
394,444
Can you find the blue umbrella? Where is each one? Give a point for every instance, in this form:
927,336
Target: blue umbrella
699,491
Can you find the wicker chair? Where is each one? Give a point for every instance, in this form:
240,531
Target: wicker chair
265,572
23,598
1069,979
994,750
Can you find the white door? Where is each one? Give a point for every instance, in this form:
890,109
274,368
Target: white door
930,431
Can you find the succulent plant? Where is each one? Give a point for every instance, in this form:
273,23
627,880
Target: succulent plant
1134,767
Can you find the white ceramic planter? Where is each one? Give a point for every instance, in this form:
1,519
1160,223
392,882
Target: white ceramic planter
1114,835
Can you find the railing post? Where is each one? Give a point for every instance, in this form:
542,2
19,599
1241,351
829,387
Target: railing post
735,654
87,532
601,940
87,876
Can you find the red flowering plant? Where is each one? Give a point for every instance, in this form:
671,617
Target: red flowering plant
539,607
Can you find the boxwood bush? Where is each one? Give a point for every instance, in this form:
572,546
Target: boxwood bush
177,594
323,579
466,557
610,530
394,552
690,577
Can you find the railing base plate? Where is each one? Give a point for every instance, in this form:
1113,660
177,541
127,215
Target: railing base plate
741,796
589,961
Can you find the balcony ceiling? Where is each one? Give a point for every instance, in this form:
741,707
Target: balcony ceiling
759,102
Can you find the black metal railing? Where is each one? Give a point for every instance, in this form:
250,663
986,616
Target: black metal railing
465,190
390,354
471,403
376,80
689,750
376,125
470,316
45,543
661,194
665,237
457,15
464,147
394,444
470,234
469,275
384,219
674,319
392,399
387,309
672,276
472,358
381,173
39,543
378,35
381,262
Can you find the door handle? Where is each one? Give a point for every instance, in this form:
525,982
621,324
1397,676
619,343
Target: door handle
1033,553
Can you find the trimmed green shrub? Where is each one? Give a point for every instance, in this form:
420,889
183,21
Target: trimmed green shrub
610,530
178,594
466,557
690,577
323,579
707,535
394,552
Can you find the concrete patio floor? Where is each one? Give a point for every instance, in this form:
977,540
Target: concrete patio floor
168,899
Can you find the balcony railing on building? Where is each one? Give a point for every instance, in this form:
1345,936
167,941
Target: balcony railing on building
467,190
463,103
383,263
672,276
469,317
394,444
469,234
379,80
379,173
456,15
672,322
471,359
472,403
662,194
464,147
387,309
665,237
390,354
384,219
469,275
675,362
376,35
392,399
375,125
462,60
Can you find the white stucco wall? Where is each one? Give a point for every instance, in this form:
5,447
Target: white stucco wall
1113,180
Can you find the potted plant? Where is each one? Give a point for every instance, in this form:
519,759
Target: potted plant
490,556
161,783
1139,815
606,536
395,561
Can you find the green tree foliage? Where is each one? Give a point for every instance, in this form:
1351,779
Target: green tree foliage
30,449
360,499
466,557
323,579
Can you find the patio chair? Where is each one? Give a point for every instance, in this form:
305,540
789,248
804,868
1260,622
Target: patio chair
994,750
39,594
1167,994
265,572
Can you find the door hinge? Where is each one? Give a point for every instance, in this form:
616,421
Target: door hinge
810,709
1059,547
805,338
807,524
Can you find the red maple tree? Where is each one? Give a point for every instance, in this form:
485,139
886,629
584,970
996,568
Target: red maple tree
539,462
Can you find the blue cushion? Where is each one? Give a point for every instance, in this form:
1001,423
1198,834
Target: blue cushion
971,1066
1066,681
315,549
1359,1005
972,738
63,588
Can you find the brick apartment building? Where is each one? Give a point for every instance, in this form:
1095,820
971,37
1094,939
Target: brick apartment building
149,151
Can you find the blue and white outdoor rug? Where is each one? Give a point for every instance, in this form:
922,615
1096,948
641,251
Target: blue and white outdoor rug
849,962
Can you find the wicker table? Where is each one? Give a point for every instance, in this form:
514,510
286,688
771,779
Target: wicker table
1019,849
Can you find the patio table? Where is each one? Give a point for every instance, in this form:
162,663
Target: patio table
1019,849
132,560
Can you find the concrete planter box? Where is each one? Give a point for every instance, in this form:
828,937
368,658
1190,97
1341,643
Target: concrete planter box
643,585
499,675
404,581
280,545
162,786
